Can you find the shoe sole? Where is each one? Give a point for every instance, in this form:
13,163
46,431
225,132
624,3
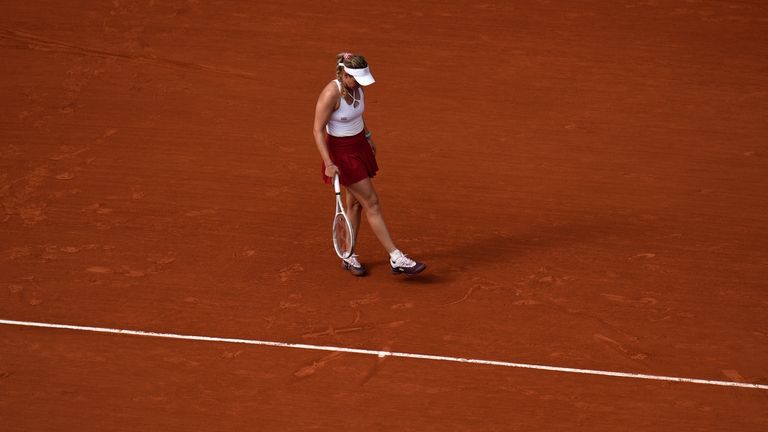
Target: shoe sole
408,271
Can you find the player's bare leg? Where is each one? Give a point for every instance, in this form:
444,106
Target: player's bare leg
354,211
364,193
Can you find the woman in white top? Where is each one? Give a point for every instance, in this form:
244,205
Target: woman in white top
346,147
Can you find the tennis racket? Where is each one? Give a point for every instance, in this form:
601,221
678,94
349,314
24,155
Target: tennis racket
343,236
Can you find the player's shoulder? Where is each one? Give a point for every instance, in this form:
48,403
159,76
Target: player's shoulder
332,87
330,92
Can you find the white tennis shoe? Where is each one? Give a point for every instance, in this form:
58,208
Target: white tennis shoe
352,264
403,264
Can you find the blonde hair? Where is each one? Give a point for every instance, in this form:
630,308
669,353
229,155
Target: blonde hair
350,60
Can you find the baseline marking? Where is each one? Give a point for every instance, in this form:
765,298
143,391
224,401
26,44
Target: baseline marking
385,354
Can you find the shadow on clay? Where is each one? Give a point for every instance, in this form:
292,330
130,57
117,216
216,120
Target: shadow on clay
480,247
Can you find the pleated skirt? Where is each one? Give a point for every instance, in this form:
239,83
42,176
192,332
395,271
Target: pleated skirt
353,156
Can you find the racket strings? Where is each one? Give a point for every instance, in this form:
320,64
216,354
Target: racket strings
343,238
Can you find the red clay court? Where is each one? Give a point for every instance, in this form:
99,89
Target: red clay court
586,180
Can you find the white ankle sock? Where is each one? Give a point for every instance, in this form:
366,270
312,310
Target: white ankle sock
395,254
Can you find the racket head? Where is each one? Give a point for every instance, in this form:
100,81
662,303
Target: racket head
343,236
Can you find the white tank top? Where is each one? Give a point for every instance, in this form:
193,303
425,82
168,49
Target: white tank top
348,119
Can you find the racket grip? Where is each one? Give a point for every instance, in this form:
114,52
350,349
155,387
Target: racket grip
336,186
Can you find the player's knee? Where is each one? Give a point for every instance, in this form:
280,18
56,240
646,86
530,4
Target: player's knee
355,206
372,205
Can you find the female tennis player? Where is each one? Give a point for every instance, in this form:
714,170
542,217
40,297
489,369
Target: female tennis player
347,148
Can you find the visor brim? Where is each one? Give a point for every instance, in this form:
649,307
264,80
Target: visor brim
362,76
365,80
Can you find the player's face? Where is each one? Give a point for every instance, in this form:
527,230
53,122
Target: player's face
348,80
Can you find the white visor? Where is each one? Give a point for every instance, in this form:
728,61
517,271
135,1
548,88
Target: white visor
362,76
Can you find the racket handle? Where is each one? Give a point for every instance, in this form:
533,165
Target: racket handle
336,186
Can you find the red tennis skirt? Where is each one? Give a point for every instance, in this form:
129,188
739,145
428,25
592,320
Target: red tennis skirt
353,156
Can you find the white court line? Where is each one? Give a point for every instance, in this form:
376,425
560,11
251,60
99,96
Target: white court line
385,354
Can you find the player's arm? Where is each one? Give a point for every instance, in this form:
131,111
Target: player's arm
325,106
369,137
